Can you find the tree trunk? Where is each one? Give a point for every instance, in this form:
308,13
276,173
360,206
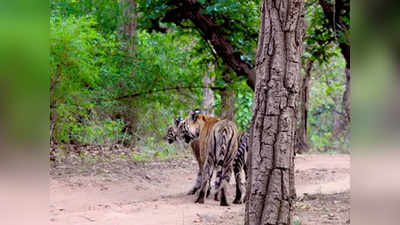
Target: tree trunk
342,119
228,104
227,98
208,100
129,25
346,101
271,191
301,132
127,31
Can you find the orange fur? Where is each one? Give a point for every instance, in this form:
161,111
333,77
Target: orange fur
195,145
205,124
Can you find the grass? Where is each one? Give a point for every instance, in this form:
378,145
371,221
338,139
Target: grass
146,151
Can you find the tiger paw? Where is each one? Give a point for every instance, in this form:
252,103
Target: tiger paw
200,201
216,197
237,201
208,193
224,203
192,191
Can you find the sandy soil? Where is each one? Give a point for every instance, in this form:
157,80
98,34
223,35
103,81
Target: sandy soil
154,194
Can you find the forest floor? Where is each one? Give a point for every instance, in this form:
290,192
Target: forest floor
154,193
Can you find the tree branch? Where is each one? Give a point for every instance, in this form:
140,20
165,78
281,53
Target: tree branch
165,89
192,10
333,13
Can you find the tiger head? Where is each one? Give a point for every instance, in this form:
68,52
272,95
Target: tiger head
172,130
192,125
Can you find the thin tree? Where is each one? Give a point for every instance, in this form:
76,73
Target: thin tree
301,132
227,97
208,101
271,192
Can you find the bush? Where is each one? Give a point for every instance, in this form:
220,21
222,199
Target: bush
79,58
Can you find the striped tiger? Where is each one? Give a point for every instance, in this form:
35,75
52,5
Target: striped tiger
172,130
219,141
173,135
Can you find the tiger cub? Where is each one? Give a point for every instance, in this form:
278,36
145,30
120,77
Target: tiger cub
172,136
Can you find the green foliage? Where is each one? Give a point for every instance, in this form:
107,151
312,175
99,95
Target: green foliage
327,87
89,71
166,60
79,56
243,109
239,20
319,36
321,39
243,102
106,13
101,94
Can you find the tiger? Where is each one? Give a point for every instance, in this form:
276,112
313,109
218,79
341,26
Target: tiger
172,130
172,136
239,163
219,142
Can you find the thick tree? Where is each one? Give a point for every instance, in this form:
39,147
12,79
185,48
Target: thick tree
271,191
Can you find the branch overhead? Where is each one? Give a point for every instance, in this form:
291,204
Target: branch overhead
165,89
334,13
192,10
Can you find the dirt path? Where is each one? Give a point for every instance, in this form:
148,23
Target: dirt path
155,195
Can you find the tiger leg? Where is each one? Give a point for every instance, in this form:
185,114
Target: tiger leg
196,185
206,176
220,157
245,181
195,145
245,171
209,184
224,171
217,183
225,153
223,192
239,184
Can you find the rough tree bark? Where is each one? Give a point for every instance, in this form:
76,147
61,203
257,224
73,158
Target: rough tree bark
301,132
208,100
271,191
227,98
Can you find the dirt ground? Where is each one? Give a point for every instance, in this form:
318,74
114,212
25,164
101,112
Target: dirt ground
154,194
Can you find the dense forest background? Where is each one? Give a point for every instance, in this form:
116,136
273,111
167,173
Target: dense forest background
122,70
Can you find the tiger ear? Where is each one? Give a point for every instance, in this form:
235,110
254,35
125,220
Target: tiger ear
194,117
177,121
195,114
197,111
